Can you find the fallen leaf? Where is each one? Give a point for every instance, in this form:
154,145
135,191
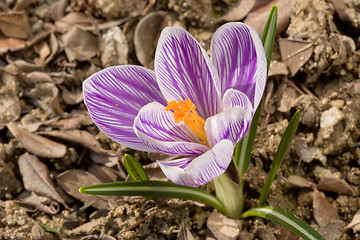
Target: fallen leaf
79,45
43,50
241,10
37,232
335,184
11,44
324,212
32,78
295,53
154,172
71,20
31,121
76,120
36,177
223,227
355,222
114,48
21,5
54,45
264,234
277,68
184,233
107,158
9,109
298,181
95,237
71,98
81,137
332,231
15,25
286,234
258,17
86,227
72,180
146,35
39,202
58,9
36,144
103,173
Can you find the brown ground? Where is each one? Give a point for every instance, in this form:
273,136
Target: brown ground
49,146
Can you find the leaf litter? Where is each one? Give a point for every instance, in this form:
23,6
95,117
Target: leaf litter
315,68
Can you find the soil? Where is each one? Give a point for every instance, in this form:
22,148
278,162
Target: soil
49,146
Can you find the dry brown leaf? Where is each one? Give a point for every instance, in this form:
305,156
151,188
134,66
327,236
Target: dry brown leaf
36,177
31,121
355,222
72,180
184,233
332,231
79,45
107,158
258,17
32,78
277,68
37,232
41,203
295,53
86,227
114,47
335,184
324,212
78,119
46,96
43,50
71,20
22,5
223,227
11,44
103,173
81,137
242,9
71,98
95,237
264,234
36,144
54,45
298,181
286,234
9,109
15,25
146,35
58,9
154,172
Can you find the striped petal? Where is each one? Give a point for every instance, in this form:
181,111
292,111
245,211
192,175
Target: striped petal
184,71
114,97
239,57
197,171
231,124
158,130
233,98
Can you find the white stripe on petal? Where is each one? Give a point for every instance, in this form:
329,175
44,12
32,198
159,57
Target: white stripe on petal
158,130
114,97
233,98
197,171
184,71
231,124
239,57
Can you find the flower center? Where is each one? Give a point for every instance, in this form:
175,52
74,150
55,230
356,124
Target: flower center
185,111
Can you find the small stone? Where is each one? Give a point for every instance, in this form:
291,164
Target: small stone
331,117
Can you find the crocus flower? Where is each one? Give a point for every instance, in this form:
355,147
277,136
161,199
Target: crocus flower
191,105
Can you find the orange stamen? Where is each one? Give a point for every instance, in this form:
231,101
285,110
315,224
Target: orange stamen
185,111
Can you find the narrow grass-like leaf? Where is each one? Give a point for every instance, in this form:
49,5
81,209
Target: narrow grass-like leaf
286,219
154,189
135,169
280,154
243,149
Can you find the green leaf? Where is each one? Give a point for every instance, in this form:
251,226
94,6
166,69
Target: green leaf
280,154
135,169
154,189
286,219
243,149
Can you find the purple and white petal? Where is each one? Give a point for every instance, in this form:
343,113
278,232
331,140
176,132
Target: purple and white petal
184,71
114,97
239,57
233,98
158,130
199,170
231,124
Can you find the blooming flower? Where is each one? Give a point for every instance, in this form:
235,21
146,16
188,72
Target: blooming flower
192,105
